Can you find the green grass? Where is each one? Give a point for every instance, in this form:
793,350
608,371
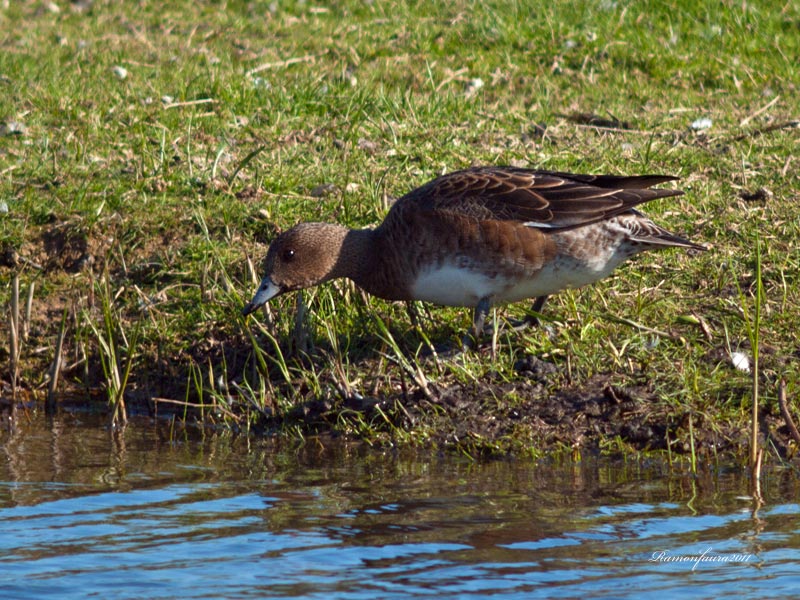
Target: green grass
175,177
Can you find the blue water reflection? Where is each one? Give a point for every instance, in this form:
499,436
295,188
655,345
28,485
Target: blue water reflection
225,517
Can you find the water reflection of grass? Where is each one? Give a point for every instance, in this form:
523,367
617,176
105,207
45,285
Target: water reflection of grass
176,169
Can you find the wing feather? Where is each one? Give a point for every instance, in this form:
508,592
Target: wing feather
547,199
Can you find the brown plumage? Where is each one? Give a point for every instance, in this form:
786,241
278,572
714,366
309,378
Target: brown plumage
480,236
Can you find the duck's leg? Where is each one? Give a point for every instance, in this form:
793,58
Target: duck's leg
413,314
537,307
478,321
479,316
530,320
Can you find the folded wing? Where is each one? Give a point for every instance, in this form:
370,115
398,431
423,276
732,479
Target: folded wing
542,199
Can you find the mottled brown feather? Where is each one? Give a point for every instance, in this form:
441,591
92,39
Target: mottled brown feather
543,198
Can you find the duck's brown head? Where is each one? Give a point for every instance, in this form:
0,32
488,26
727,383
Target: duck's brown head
302,257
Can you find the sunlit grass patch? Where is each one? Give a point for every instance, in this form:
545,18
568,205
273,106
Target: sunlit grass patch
163,146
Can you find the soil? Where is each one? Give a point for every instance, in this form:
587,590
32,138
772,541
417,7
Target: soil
531,415
539,410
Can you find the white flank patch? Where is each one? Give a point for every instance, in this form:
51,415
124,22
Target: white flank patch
452,285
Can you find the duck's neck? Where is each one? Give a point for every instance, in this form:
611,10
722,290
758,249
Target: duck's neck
356,255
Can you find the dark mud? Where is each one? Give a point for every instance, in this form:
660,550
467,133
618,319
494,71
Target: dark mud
537,410
529,416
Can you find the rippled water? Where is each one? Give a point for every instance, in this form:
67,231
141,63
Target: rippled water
155,512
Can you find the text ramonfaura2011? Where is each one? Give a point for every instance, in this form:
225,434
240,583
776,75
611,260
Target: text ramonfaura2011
708,556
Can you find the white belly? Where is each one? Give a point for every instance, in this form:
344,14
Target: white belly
454,285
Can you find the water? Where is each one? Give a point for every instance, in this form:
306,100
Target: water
156,512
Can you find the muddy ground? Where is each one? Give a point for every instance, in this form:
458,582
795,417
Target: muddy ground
530,415
537,411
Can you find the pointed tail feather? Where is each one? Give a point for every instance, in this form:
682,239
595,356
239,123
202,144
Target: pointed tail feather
659,237
632,182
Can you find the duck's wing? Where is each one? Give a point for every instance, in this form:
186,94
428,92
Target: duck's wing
542,199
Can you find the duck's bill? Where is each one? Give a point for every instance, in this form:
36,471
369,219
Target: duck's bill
266,291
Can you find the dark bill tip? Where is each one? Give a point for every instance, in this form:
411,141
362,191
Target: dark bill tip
248,308
266,290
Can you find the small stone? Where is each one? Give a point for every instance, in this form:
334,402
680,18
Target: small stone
12,128
120,72
367,146
473,86
740,361
324,189
81,5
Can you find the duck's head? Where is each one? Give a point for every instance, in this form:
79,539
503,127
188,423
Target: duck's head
302,257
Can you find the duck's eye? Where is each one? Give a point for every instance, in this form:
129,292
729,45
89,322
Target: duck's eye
288,255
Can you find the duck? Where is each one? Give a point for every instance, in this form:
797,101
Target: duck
480,237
